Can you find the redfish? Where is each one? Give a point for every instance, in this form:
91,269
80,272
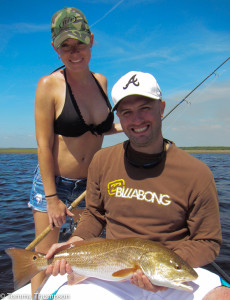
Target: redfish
111,260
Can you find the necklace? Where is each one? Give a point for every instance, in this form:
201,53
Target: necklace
153,160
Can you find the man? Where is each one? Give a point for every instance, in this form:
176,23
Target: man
147,187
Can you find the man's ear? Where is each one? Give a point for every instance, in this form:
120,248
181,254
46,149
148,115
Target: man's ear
162,107
91,40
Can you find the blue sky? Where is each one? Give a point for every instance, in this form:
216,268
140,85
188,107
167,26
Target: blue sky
179,42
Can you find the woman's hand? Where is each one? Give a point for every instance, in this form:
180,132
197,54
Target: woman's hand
57,212
142,281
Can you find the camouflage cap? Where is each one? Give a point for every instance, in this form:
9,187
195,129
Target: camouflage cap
69,23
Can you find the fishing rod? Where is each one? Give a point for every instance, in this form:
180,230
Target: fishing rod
194,89
221,272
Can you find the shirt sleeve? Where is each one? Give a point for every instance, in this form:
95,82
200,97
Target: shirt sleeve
92,221
203,244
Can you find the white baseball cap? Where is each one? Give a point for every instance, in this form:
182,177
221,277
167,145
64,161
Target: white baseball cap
135,83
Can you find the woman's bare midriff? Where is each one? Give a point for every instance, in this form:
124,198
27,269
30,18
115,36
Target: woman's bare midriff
72,155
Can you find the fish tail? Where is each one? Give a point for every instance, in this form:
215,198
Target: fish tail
24,265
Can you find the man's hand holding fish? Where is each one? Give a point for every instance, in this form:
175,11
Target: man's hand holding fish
142,281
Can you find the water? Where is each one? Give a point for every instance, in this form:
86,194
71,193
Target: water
17,227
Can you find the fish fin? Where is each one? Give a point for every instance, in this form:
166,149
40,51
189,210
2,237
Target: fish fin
75,278
79,243
83,242
124,272
24,265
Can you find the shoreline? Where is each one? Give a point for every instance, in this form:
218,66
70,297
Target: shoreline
187,149
206,151
18,150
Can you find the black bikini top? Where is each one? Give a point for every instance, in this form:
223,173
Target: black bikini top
70,122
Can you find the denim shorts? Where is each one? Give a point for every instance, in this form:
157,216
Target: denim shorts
67,189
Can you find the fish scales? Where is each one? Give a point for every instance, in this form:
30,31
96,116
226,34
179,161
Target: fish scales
103,258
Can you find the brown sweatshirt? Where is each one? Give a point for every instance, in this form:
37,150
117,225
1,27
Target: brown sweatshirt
175,203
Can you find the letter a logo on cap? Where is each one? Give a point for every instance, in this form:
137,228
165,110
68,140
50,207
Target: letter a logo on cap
132,80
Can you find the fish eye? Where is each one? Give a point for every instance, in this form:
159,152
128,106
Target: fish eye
175,266
34,257
178,267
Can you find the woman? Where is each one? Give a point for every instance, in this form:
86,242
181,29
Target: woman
72,113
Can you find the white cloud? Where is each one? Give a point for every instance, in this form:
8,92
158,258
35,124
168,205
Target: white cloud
23,28
8,31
